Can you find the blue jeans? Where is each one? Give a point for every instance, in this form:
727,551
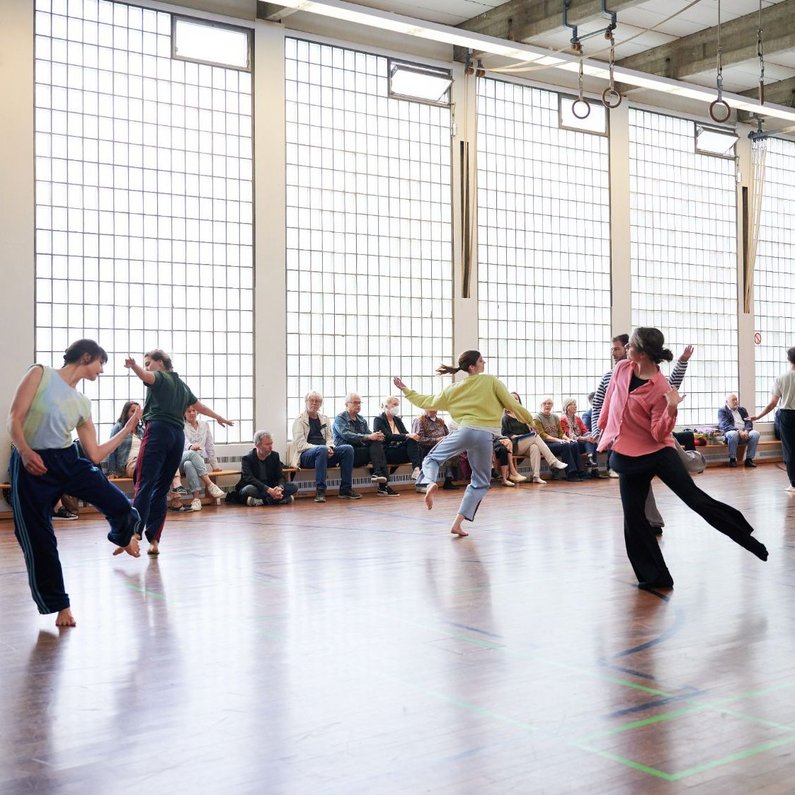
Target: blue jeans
733,440
478,445
194,468
317,458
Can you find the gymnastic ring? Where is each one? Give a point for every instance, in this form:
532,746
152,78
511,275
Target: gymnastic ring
611,98
719,103
576,104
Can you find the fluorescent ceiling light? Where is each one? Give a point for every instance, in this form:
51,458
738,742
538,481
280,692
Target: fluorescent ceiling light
714,141
419,82
396,23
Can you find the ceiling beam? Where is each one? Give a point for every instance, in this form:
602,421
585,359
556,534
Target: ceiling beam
272,12
521,20
781,92
697,53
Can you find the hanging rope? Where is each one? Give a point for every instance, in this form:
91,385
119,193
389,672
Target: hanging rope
758,157
761,55
580,107
610,97
719,110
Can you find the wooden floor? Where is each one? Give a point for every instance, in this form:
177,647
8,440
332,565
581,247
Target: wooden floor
358,648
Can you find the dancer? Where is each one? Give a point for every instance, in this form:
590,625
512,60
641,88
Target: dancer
637,419
45,464
167,399
783,396
476,405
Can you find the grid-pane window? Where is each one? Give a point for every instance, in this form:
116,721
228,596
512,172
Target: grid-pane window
683,255
143,206
774,278
543,246
369,290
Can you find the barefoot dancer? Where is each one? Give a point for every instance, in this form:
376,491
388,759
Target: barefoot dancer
476,404
45,464
637,418
167,399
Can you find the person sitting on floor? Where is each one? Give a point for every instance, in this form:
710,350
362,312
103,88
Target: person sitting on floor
400,446
262,479
430,428
313,448
738,429
368,446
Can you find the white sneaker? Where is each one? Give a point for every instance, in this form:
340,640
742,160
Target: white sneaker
790,488
415,473
254,502
519,478
196,504
558,465
506,482
537,479
612,474
215,491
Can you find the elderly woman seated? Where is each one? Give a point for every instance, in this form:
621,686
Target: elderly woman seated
429,428
574,429
527,441
400,446
551,431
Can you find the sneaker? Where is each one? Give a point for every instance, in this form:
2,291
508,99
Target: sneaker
254,502
612,474
537,479
62,513
181,490
519,478
378,478
215,491
386,491
196,504
349,495
558,465
749,462
415,473
320,495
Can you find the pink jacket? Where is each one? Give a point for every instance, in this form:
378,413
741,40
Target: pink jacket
635,423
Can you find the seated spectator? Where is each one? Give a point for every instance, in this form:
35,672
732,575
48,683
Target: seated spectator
528,442
429,429
575,429
551,431
368,447
737,429
586,421
313,448
262,479
400,446
503,462
199,453
121,462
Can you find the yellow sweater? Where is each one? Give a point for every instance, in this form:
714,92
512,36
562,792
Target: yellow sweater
477,401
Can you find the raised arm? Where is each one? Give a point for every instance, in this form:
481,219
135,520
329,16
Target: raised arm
144,375
87,434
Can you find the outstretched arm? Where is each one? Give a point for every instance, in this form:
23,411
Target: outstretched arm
144,375
208,412
767,409
87,434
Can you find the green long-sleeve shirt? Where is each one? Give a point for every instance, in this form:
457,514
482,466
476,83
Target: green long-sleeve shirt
477,402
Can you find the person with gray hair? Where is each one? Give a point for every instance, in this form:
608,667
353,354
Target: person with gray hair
262,480
313,448
737,429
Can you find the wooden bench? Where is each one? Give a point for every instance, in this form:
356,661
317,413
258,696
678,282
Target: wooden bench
767,450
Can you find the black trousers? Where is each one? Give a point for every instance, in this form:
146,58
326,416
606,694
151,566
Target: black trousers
786,418
405,452
371,453
635,474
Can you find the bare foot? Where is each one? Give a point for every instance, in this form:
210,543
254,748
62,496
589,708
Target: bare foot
65,618
456,529
154,548
429,495
133,548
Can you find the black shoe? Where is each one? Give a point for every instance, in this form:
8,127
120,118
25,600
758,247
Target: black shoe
749,462
386,491
349,495
62,513
732,462
320,495
658,584
448,485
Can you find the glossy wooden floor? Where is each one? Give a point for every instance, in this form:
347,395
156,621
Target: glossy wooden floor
358,648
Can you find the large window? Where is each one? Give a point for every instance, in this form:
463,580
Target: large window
368,231
684,267
143,206
543,246
774,280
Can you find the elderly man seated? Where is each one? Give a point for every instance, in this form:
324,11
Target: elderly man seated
261,477
313,448
368,447
737,429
